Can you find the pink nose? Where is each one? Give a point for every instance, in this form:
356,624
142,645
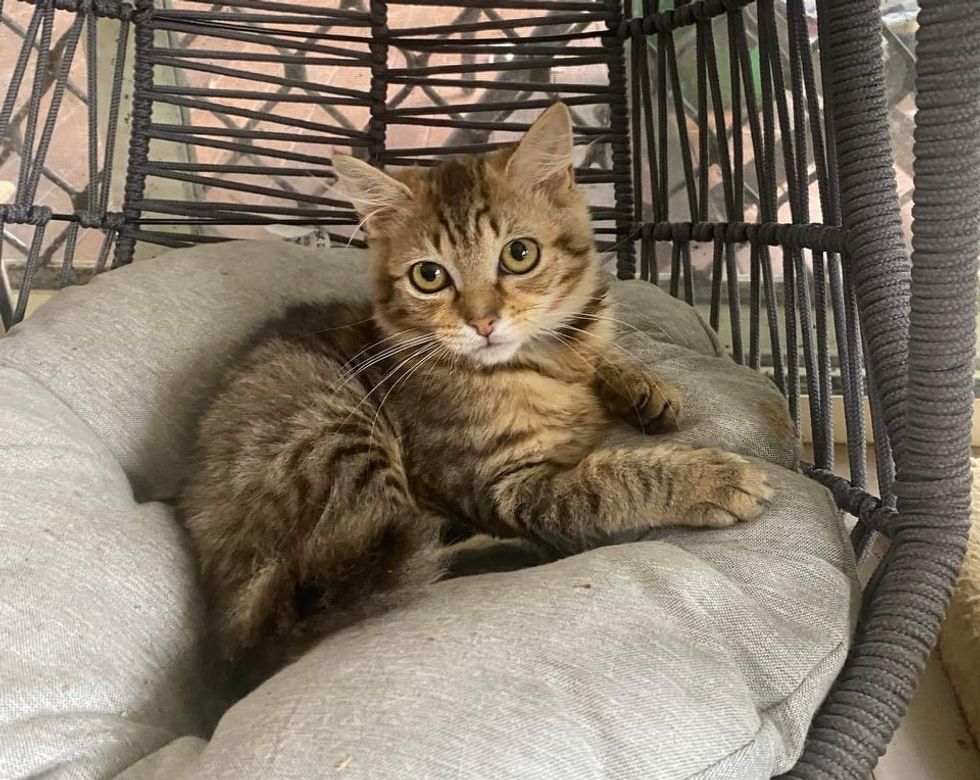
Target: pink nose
484,325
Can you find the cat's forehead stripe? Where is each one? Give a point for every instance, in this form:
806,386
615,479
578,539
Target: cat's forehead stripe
447,229
481,212
462,200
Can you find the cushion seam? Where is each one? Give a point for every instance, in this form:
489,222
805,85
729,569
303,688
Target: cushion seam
781,703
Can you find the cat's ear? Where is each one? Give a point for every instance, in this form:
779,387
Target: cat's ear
543,159
373,193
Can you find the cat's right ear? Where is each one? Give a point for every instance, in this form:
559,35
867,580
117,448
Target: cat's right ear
373,193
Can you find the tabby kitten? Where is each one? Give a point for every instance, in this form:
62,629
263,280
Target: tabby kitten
351,441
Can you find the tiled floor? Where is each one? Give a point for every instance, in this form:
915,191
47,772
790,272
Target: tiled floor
932,742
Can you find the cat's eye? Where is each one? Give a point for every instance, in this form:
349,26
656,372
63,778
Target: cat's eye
519,256
429,277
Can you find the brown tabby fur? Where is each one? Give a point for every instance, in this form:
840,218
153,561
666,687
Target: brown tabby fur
351,441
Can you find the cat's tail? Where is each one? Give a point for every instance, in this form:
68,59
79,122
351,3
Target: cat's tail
365,564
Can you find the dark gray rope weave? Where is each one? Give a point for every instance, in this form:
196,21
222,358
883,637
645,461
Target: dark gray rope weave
903,328
928,400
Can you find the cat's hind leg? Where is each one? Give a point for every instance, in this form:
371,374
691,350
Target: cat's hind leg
322,534
481,554
369,562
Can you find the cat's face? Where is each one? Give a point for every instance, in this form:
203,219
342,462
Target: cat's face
485,256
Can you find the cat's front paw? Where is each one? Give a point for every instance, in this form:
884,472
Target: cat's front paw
649,403
724,489
657,405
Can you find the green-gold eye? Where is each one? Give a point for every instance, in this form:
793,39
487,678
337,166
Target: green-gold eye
429,277
519,256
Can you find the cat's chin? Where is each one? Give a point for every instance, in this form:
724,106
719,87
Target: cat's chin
494,354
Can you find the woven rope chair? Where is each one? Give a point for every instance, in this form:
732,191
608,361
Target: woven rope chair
659,144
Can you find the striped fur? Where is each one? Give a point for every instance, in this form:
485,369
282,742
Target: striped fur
351,443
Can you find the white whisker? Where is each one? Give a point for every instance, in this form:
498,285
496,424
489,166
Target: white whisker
607,318
565,341
328,330
599,359
374,344
425,357
612,344
419,349
380,357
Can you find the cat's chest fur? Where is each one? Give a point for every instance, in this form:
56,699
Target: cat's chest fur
461,429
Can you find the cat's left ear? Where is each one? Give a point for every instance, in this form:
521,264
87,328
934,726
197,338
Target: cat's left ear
543,159
373,193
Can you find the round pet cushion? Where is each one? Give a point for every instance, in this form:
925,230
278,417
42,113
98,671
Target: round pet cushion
691,654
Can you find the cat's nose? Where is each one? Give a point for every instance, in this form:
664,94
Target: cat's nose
483,325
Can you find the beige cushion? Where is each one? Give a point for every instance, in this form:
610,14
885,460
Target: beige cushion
694,654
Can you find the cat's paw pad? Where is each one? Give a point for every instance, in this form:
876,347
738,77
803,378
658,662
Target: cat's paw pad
728,489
